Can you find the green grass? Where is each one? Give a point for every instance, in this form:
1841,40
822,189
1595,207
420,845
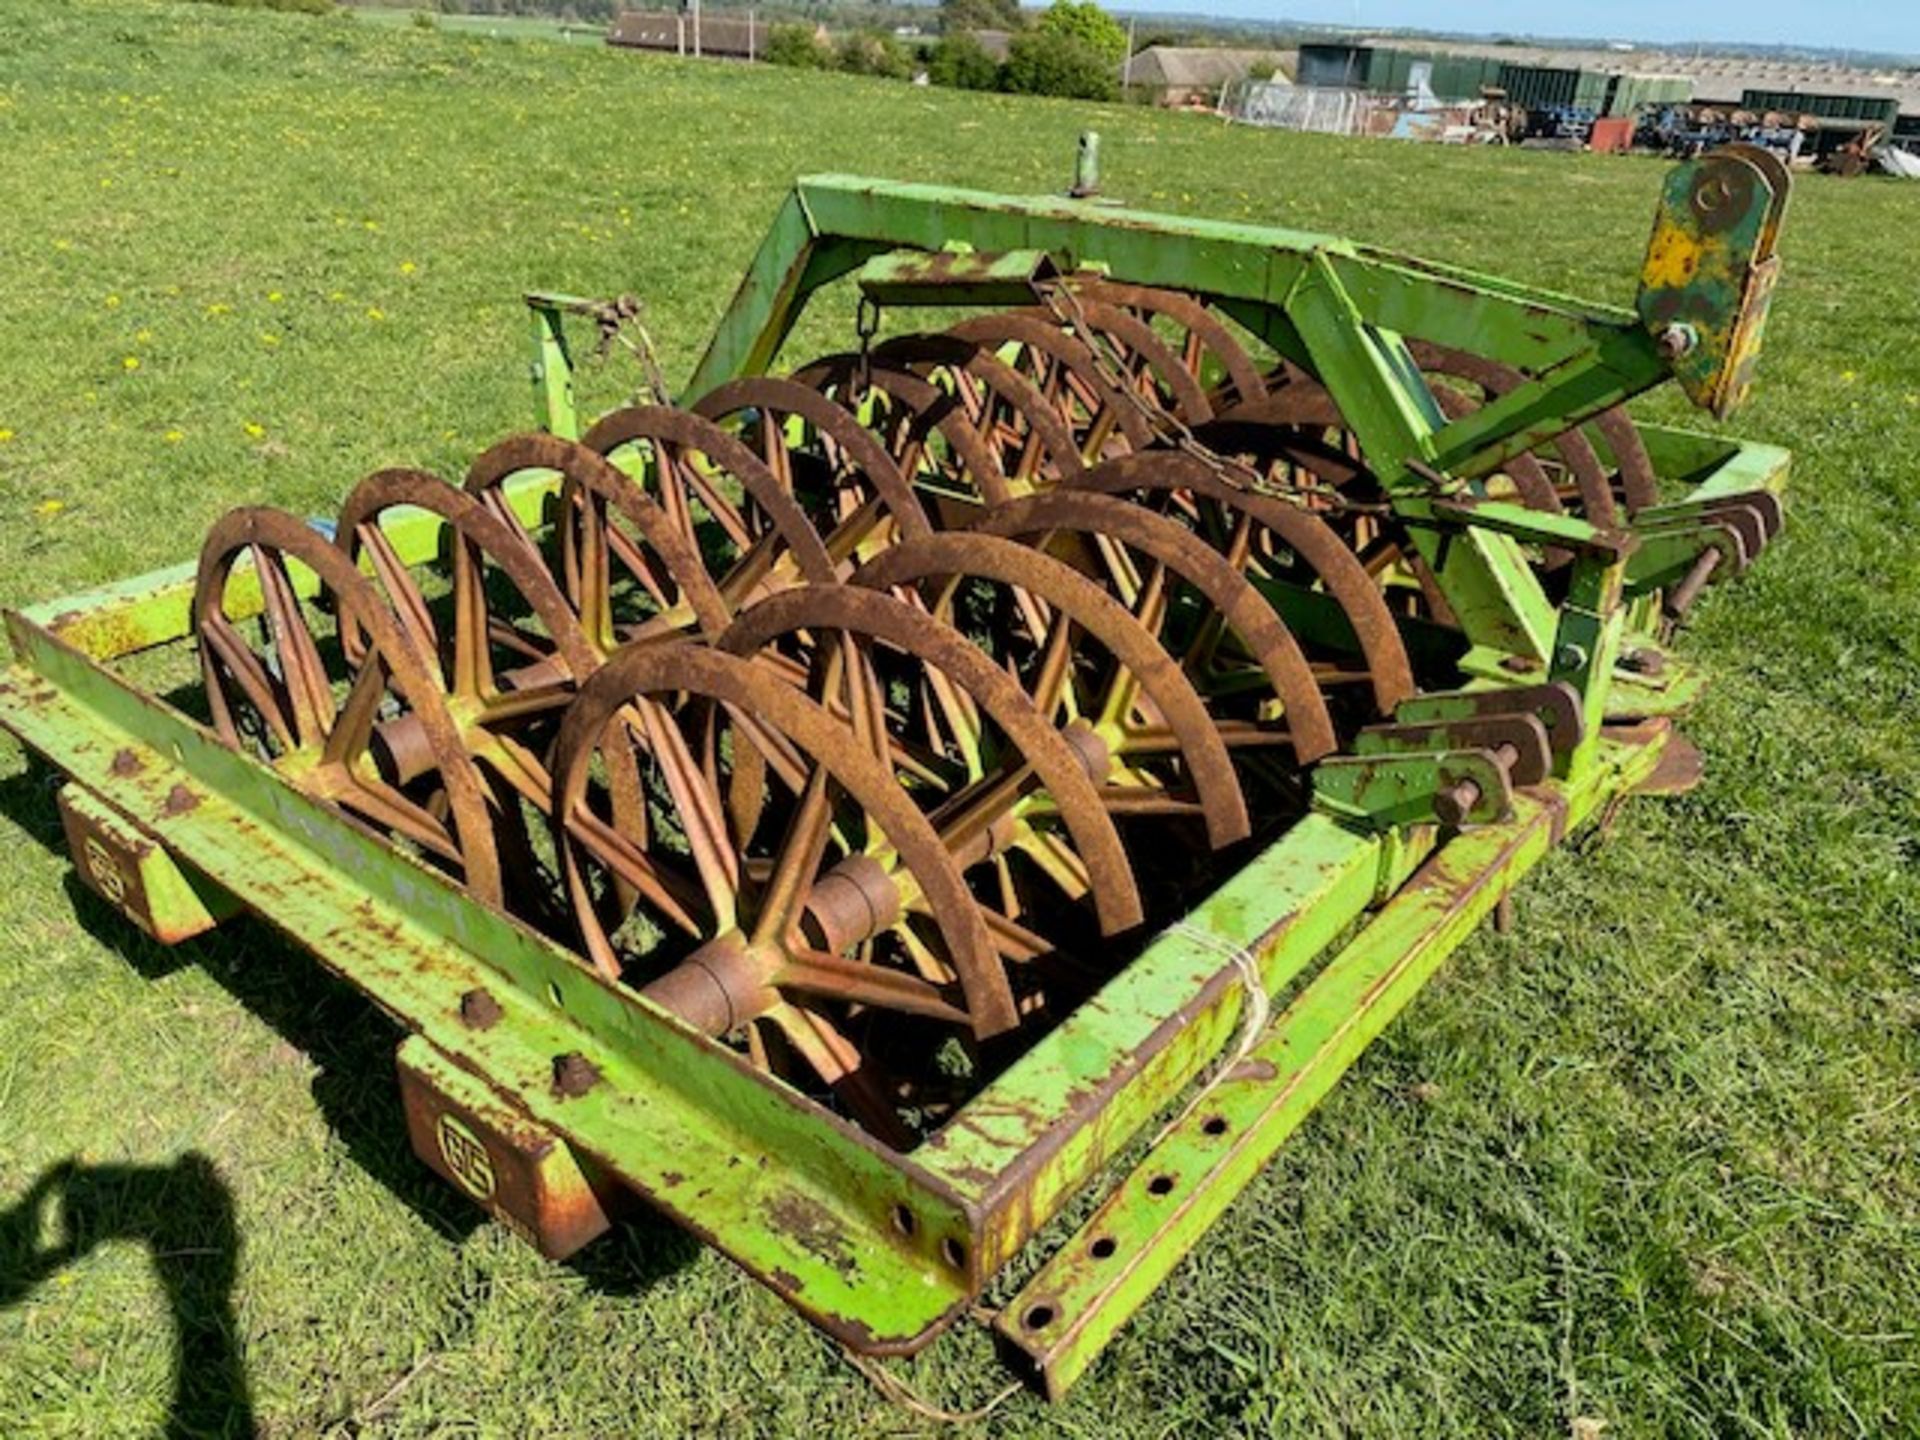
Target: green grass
1653,1159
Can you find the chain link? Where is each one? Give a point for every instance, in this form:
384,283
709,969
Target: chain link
866,325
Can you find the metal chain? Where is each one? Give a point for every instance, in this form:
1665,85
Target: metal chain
866,325
1174,432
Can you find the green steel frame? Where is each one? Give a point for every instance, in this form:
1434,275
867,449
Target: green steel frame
1343,919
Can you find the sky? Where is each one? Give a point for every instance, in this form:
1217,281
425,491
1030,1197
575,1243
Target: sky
1879,25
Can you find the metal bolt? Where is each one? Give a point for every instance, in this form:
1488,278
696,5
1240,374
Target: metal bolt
1677,340
479,1010
574,1075
1519,664
1643,662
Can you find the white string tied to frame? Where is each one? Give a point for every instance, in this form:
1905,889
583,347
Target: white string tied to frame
1254,1014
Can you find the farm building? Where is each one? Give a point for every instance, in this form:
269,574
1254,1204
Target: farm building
680,32
1728,79
1177,75
1850,110
1533,80
1735,81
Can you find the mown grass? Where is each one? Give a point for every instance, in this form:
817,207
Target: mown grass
1650,1160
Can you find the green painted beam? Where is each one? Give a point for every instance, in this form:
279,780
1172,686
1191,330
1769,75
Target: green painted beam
1236,265
1488,582
1065,1108
1074,1305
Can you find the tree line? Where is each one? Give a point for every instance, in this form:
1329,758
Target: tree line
1072,49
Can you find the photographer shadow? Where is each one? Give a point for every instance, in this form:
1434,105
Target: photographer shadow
183,1214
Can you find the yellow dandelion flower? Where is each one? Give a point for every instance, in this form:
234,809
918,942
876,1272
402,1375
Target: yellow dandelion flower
407,267
174,437
1847,377
218,309
6,434
132,362
50,507
370,224
274,297
374,312
113,302
255,429
267,337
143,336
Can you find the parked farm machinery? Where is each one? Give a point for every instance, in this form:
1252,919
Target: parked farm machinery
847,809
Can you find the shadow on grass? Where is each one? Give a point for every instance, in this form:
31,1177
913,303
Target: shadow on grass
351,1044
183,1214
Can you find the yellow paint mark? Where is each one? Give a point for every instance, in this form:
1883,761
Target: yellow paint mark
1673,258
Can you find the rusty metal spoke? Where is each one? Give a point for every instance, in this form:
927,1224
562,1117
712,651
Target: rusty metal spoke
303,675
798,859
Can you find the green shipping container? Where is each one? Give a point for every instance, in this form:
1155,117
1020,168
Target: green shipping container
1874,109
1334,67
1462,77
1389,70
1631,94
1547,87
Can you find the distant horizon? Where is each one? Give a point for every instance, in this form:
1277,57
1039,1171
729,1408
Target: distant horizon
1846,26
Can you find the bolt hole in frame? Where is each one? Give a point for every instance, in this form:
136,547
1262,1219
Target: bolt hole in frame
590,1090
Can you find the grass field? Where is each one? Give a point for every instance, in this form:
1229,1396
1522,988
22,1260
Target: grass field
1652,1160
492,27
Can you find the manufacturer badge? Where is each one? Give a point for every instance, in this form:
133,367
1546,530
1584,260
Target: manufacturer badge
466,1156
